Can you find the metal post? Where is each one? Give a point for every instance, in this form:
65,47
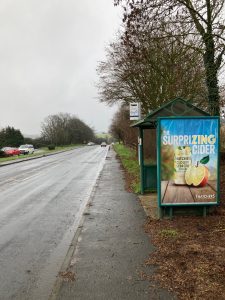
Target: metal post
141,159
171,213
160,213
204,211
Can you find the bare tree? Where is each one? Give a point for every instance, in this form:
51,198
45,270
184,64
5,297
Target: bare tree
152,72
120,127
64,129
201,21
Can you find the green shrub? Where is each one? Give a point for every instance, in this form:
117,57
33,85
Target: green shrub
51,147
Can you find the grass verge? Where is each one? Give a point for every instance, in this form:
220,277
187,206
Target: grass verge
130,164
41,151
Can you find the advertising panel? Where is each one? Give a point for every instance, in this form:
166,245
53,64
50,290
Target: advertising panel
188,151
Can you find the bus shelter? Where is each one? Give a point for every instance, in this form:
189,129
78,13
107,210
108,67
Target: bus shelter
147,145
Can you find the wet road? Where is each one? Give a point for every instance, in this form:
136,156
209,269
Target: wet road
41,203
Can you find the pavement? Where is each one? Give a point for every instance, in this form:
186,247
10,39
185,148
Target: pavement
107,255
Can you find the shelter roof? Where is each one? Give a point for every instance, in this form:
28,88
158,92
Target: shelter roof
177,107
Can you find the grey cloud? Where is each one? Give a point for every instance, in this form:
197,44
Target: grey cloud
48,57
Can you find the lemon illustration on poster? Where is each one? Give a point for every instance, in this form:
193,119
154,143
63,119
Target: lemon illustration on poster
188,160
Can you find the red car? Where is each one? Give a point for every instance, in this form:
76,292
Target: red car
9,151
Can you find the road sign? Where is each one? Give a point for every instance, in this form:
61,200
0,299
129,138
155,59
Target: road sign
135,111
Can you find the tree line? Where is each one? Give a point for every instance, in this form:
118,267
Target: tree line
65,129
59,129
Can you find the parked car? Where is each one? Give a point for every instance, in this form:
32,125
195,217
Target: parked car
90,144
103,144
26,149
10,151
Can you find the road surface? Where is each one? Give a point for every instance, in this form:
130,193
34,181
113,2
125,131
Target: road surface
41,204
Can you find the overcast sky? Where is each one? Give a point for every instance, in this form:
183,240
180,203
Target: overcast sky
48,57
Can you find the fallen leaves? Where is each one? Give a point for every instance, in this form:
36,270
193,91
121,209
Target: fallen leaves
190,253
67,276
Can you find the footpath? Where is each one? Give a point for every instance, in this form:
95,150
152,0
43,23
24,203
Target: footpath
107,261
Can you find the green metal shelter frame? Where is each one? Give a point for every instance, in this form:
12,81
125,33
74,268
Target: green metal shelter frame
177,107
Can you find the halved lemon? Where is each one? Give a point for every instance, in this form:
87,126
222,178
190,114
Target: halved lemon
199,174
188,175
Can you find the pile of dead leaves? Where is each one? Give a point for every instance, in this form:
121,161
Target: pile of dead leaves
190,253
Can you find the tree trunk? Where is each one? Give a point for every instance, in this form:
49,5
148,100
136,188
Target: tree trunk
211,76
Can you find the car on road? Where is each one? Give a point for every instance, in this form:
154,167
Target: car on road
103,144
90,144
26,149
10,151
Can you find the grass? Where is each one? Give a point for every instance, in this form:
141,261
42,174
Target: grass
130,164
44,151
169,233
59,148
103,135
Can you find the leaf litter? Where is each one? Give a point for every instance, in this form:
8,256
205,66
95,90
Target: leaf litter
190,251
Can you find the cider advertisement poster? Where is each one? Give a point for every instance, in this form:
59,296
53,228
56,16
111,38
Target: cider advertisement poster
189,160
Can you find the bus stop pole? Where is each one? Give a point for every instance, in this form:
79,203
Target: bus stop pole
141,159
